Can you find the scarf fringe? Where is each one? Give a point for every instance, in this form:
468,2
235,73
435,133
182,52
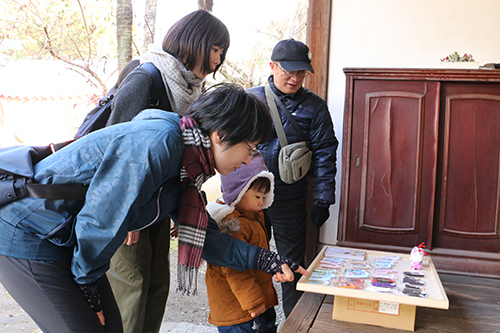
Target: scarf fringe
187,280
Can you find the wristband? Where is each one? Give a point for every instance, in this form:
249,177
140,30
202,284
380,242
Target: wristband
92,296
270,262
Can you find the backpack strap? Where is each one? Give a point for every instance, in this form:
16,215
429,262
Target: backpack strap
55,192
159,90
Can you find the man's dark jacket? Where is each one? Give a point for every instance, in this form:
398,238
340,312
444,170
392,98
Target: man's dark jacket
311,113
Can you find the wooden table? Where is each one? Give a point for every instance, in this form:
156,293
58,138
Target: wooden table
474,307
392,310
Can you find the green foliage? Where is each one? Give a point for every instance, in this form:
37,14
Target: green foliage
70,29
456,57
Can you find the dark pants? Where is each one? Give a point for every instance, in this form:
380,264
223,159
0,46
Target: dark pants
288,220
266,322
47,292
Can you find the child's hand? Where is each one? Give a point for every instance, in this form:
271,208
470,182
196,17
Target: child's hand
259,311
287,275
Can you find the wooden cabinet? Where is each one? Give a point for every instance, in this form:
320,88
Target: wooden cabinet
421,163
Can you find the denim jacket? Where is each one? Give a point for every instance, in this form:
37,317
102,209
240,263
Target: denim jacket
132,170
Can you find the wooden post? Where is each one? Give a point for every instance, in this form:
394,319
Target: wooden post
318,40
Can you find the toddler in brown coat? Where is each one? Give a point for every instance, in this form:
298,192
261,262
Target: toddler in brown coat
242,300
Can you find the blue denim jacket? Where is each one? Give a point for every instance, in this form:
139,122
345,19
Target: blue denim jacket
132,170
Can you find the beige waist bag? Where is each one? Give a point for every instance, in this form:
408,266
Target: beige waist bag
294,160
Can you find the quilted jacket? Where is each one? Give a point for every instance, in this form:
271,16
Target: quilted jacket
311,113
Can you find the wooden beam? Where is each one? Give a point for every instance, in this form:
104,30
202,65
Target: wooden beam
318,40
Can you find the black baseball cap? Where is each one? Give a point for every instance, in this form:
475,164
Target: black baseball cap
292,55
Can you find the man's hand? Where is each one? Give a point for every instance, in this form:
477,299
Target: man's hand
287,275
132,238
319,215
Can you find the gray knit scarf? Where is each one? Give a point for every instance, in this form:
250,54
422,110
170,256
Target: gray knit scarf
183,87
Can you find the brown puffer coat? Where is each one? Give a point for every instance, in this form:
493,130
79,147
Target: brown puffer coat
233,295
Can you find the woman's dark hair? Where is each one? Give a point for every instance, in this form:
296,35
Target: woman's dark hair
194,36
126,71
261,184
237,115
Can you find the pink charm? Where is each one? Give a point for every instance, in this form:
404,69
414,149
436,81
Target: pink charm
417,257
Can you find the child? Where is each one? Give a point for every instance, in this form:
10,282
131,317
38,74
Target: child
237,298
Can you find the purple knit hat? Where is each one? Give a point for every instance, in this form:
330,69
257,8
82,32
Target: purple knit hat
236,183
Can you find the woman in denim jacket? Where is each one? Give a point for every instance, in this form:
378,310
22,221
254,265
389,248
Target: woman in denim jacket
54,253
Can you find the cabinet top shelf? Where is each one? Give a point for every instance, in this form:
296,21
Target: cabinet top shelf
428,74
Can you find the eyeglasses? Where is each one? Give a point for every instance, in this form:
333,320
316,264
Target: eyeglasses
251,151
288,74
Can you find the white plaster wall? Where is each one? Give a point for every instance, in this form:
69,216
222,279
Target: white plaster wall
402,34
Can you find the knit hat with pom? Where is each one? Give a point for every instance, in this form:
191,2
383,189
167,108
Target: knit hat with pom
236,183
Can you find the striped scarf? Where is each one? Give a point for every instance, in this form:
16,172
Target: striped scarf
197,166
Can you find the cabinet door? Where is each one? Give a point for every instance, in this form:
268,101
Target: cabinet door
391,171
468,202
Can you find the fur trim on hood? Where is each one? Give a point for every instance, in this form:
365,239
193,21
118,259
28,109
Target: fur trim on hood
218,210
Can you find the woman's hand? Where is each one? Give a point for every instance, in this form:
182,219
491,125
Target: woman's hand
100,315
132,238
278,266
287,275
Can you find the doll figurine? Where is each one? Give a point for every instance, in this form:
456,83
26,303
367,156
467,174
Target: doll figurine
417,257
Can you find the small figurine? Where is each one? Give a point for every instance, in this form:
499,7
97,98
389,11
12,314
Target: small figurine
417,256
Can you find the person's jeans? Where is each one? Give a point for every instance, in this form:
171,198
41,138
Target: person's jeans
245,327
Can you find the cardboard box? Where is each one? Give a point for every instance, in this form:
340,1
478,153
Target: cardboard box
379,313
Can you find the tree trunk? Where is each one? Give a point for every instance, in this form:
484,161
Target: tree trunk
149,23
124,18
206,5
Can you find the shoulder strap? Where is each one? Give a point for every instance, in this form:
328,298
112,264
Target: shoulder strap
17,171
158,87
276,117
285,111
272,99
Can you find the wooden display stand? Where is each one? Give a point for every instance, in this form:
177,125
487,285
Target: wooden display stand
376,308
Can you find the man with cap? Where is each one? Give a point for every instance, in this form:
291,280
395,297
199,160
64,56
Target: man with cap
290,65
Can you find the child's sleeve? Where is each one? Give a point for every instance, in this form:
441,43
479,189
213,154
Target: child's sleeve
243,283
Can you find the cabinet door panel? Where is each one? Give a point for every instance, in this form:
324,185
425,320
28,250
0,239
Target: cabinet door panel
469,183
393,156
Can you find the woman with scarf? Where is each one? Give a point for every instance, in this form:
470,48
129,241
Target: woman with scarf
53,256
193,47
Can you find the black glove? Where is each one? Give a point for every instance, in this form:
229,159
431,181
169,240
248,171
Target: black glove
92,296
319,215
270,262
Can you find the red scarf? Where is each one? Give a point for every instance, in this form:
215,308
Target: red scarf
197,166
